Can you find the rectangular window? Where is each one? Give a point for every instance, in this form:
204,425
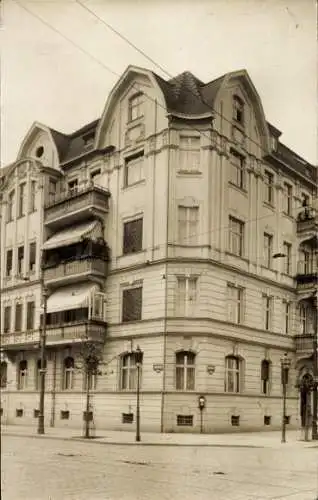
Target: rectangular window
265,376
52,188
127,418
9,263
22,199
10,206
18,318
236,236
20,269
188,225
65,415
133,236
288,199
303,319
267,309
268,250
235,420
287,251
235,303
134,169
7,319
287,316
237,169
132,304
32,196
238,110
184,420
305,262
186,296
73,186
189,158
269,187
30,315
32,257
267,420
136,107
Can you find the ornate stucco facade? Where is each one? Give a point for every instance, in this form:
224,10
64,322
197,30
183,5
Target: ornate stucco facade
158,226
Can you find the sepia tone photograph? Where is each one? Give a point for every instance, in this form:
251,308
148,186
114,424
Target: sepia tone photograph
159,249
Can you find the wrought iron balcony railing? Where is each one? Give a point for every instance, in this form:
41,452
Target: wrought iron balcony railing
304,344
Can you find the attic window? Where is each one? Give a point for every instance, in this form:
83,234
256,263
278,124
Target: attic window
39,151
238,110
88,139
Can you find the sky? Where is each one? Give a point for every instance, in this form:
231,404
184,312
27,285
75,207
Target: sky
59,69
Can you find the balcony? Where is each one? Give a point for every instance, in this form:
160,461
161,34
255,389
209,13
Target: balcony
77,332
75,270
307,223
304,345
307,275
75,206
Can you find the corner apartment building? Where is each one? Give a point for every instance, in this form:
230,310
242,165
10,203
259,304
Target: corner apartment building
158,226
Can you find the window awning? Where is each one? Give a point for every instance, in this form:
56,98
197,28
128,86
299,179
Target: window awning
71,297
73,235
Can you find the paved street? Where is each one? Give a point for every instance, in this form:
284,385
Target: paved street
47,469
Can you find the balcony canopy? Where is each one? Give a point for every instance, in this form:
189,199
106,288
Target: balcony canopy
73,235
71,297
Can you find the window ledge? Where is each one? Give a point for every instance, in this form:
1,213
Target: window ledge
189,172
268,268
241,257
238,188
137,252
134,184
269,205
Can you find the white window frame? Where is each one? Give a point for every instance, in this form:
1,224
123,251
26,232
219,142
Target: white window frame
134,171
235,303
267,307
186,295
303,318
187,367
68,375
22,199
268,240
233,372
136,106
128,372
236,236
287,315
237,169
288,199
189,153
22,376
188,225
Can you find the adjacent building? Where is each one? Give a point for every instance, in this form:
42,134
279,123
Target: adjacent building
177,222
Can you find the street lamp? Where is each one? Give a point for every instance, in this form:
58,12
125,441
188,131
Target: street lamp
138,358
43,362
201,408
285,365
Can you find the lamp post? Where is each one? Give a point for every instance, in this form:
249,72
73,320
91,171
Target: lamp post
138,357
314,434
201,408
43,363
285,365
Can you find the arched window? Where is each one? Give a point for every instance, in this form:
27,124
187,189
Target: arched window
233,374
22,375
68,373
38,374
129,372
3,374
265,376
185,371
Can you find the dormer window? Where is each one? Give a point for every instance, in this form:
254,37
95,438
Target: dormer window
88,140
73,186
136,107
238,110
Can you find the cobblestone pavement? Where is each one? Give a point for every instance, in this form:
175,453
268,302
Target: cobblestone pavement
40,469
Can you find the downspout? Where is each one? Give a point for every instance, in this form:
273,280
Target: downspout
53,406
154,187
166,290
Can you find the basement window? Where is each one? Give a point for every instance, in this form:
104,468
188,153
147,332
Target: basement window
267,420
36,413
235,420
287,419
127,418
185,420
65,415
19,412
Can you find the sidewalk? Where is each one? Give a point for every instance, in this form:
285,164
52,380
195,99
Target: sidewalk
251,439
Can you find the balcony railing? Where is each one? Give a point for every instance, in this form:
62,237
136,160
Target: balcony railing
76,205
307,267
75,268
82,331
307,221
304,344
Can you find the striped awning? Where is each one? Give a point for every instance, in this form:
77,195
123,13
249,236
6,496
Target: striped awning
71,297
72,235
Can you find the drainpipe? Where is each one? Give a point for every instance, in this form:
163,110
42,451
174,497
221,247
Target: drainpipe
166,291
